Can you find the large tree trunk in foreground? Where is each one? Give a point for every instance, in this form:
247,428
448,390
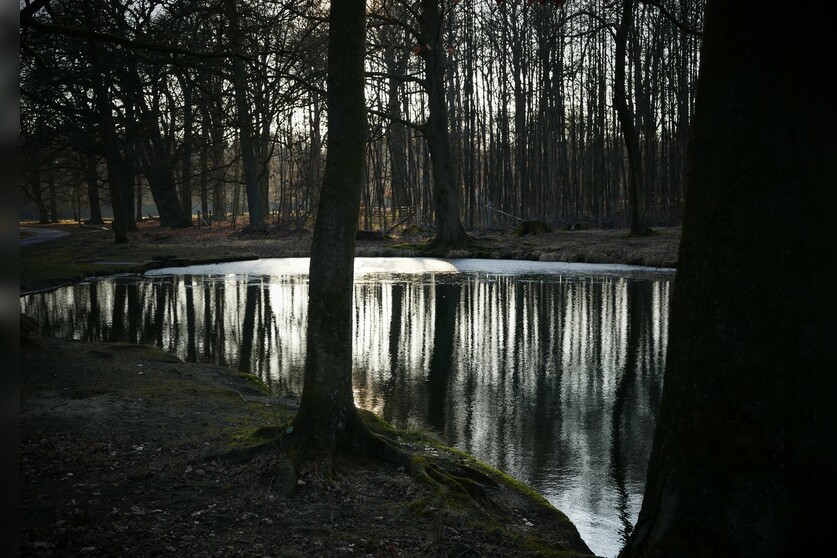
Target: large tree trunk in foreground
327,412
736,468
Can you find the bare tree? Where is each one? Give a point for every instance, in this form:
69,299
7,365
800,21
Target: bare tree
737,453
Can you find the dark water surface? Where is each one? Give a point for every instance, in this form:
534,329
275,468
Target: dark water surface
550,372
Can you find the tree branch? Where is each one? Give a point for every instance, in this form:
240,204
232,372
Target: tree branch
29,11
407,123
685,29
123,41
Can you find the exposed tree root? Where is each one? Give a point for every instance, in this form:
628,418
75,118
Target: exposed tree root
461,479
370,438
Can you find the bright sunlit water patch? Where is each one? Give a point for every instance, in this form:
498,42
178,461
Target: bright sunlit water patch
549,371
412,266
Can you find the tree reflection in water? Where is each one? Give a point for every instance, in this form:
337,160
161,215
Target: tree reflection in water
555,379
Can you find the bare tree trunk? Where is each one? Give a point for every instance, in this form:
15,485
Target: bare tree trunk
37,197
154,149
738,465
449,230
245,122
219,191
138,190
127,184
53,197
91,175
636,184
186,156
396,65
327,415
113,158
203,184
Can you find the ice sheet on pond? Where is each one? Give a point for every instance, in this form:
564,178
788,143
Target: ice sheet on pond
366,267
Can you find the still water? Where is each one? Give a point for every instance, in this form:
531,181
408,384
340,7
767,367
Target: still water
551,372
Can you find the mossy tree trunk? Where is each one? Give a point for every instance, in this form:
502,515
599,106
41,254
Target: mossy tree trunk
327,414
737,463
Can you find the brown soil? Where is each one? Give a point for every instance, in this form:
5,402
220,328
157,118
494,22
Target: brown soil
122,446
122,454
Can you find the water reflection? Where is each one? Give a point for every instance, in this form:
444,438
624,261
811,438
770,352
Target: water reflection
555,379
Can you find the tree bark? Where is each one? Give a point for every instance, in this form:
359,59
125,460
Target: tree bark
113,161
327,412
203,182
738,463
449,230
127,186
154,149
107,131
219,190
396,65
186,155
245,122
91,175
636,185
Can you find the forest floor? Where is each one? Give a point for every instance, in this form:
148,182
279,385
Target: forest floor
90,251
122,447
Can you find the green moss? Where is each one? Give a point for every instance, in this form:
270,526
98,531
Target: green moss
268,432
246,436
411,246
417,433
254,381
536,544
377,425
503,478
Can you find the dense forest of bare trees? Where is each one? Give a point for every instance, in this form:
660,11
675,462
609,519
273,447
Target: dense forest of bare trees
480,113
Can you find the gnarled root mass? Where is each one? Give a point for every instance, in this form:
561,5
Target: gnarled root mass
367,436
450,491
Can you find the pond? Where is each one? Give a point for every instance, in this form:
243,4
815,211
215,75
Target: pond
551,372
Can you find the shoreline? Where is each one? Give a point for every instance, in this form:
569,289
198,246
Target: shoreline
89,417
88,252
